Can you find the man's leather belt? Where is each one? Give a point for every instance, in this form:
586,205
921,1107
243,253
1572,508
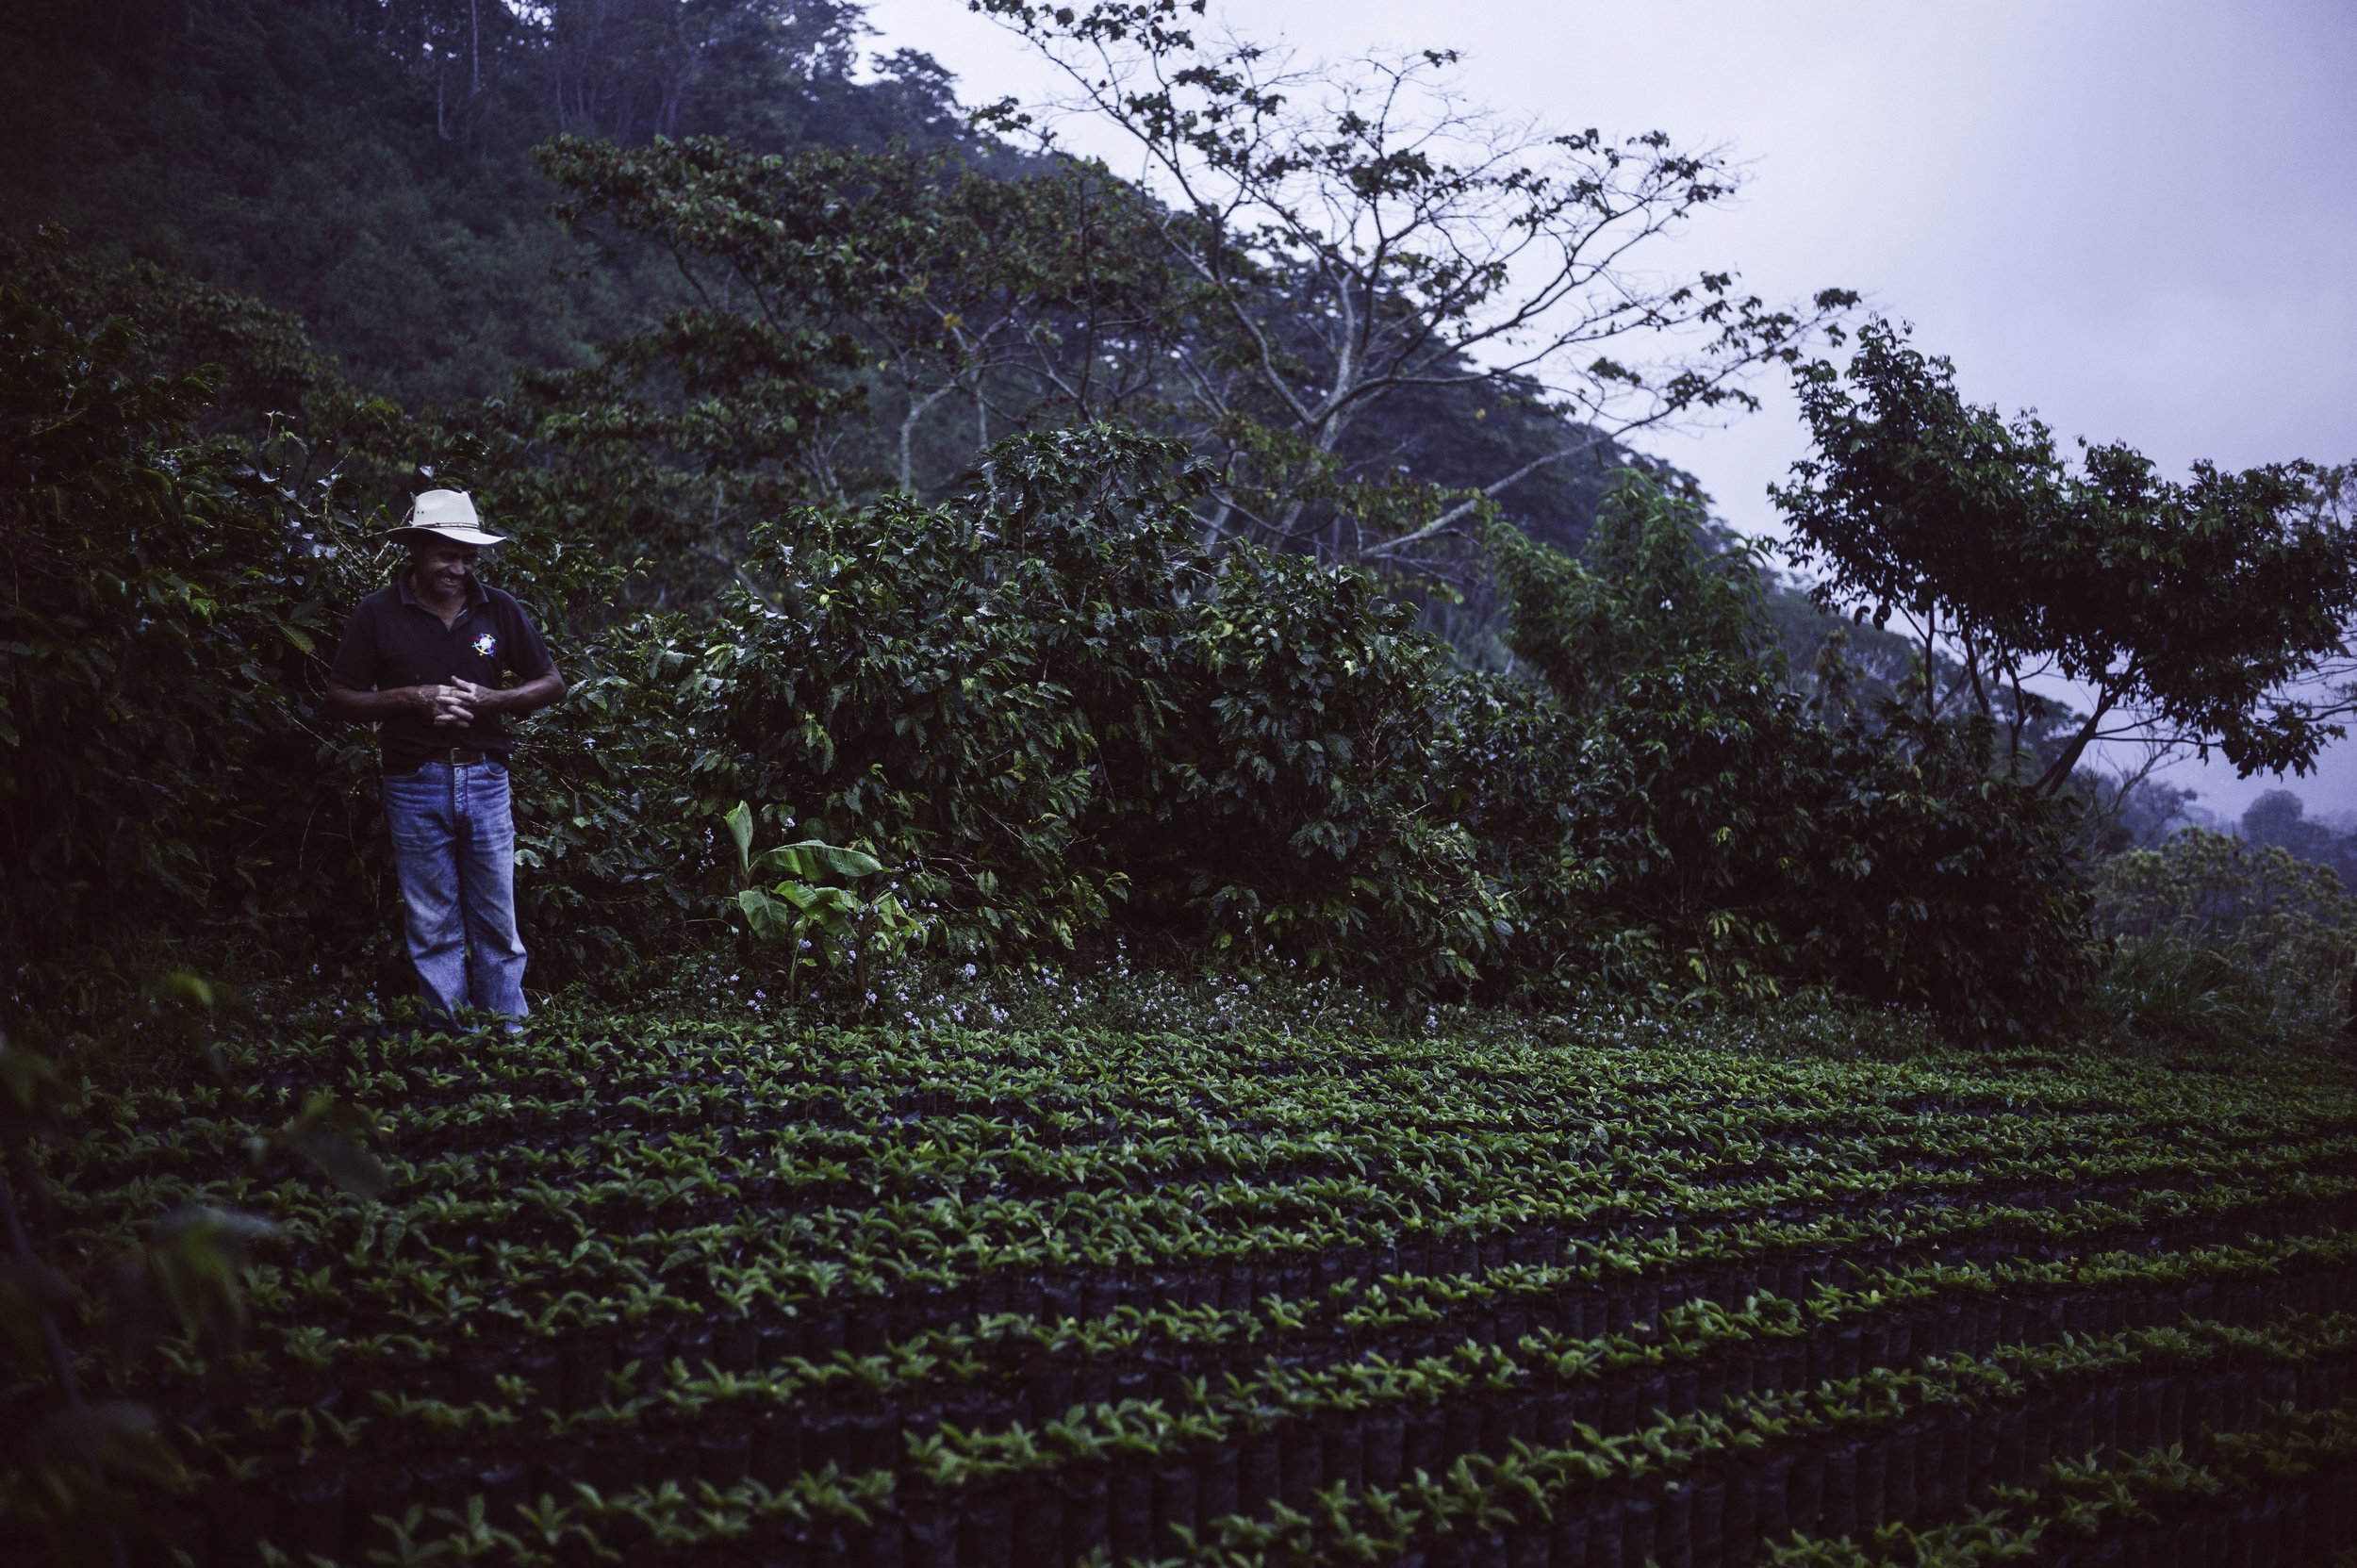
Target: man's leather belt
457,756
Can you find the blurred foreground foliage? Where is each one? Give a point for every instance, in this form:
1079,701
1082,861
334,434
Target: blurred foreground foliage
83,1470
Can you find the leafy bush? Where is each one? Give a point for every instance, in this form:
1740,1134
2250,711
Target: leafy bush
2218,938
1062,717
163,644
2168,990
1645,594
1684,822
163,598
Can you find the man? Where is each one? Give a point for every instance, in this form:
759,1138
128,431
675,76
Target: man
424,660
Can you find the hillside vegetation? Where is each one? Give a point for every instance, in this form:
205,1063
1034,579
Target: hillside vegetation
1068,553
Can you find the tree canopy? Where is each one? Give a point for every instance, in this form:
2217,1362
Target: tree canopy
2213,612
1352,232
363,163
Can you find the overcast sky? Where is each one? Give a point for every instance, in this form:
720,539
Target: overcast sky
2140,219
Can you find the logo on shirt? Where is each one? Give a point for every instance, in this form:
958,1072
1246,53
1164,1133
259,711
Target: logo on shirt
486,645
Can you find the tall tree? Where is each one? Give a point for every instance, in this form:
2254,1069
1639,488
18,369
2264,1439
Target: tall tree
1357,232
2213,613
1008,299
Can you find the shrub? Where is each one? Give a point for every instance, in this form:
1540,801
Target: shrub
1684,823
2220,938
1061,716
2168,990
164,767
163,595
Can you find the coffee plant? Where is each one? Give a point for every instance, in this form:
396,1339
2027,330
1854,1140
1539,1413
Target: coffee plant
1579,1289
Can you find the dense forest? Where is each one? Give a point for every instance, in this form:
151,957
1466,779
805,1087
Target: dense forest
367,169
1177,889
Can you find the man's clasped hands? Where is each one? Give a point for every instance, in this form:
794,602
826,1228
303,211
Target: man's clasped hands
453,707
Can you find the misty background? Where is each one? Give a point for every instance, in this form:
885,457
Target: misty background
2139,219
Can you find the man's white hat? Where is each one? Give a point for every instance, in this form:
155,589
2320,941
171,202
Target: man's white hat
446,515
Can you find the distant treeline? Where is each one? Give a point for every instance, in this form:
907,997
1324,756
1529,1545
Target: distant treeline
2280,819
363,164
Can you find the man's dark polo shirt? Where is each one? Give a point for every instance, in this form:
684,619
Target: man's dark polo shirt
395,641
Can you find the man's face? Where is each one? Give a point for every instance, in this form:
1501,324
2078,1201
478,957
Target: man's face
442,570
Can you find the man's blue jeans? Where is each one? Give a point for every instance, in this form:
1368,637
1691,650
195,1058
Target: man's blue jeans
455,844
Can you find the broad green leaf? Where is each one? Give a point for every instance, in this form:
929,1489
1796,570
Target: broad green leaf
189,1278
800,894
27,1289
772,920
813,858
32,1091
740,823
332,1135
